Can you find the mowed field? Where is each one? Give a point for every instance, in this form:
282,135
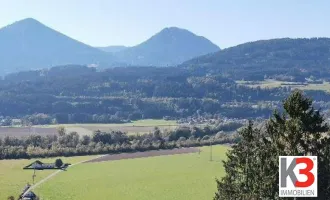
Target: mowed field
184,176
325,86
13,178
135,127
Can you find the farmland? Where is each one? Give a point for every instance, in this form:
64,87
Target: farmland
25,131
186,176
13,178
270,83
140,127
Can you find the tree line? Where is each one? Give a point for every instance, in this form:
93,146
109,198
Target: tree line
73,144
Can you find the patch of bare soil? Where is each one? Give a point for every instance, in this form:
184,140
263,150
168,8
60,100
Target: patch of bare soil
144,154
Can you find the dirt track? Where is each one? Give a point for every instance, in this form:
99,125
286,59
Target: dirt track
144,154
51,176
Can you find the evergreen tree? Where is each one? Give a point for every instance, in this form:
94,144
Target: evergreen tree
252,164
58,163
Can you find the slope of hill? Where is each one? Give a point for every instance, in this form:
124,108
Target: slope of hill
255,60
80,94
28,44
112,49
171,46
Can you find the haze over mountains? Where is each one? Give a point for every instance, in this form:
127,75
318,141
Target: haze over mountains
171,46
210,84
29,44
112,49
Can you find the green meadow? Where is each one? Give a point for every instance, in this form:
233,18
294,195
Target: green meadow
13,178
186,176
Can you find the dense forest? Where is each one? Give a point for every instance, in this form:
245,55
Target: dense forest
79,94
290,59
205,85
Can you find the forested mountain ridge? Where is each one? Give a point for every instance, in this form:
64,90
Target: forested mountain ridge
28,44
80,94
205,85
138,92
255,60
171,46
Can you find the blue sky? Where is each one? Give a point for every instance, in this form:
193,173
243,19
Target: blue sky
129,22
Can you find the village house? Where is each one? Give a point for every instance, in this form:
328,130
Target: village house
29,196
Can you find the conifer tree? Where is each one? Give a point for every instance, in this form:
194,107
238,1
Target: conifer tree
252,164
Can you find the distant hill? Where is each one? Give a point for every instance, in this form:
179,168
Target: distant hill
171,46
28,44
277,57
112,49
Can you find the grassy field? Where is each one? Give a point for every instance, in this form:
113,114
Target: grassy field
140,126
13,178
188,176
269,83
145,122
325,86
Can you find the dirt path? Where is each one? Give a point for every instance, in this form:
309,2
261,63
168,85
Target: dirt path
55,173
144,154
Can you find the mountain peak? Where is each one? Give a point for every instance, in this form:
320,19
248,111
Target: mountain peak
27,21
29,44
175,30
170,46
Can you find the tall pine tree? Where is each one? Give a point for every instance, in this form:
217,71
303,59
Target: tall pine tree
252,164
